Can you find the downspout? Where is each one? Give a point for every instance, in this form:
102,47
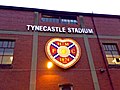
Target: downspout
103,56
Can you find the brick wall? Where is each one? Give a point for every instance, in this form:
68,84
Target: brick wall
15,20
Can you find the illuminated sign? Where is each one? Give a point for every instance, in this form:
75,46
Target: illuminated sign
63,52
59,29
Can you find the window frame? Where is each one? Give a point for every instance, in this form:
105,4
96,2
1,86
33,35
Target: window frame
103,51
58,18
10,46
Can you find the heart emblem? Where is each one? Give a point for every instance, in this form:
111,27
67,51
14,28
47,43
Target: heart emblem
63,52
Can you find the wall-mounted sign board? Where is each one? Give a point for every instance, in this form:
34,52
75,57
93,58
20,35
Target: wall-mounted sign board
63,52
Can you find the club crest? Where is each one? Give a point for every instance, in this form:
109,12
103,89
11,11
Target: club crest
63,52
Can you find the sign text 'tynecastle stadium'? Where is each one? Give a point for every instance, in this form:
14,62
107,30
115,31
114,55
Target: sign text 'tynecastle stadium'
59,29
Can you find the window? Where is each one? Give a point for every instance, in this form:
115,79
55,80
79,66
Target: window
6,52
49,18
68,21
66,87
59,19
112,53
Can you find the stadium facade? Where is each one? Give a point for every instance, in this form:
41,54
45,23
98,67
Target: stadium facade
83,50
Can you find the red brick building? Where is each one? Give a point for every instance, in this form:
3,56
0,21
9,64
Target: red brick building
83,47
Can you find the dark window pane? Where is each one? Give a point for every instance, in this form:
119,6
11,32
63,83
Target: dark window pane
8,52
75,21
13,44
1,43
5,44
109,47
105,47
114,47
47,19
71,21
1,51
50,19
57,20
66,88
43,19
64,21
9,44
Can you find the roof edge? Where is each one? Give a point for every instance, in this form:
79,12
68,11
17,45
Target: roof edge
57,12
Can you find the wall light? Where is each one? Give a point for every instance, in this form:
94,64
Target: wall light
49,65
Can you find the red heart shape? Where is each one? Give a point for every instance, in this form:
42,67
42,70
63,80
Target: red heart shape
63,52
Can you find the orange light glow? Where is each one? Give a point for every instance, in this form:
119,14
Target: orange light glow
49,65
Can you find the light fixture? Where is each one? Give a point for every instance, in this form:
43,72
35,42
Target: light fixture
49,65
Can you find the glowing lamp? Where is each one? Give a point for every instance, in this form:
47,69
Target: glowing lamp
49,65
